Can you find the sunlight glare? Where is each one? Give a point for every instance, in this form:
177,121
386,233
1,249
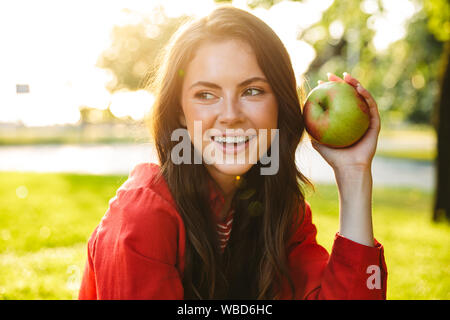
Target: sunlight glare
54,46
135,104
390,25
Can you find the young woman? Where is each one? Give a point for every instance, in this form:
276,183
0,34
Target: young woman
224,230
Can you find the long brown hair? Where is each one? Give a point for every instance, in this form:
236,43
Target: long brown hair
267,207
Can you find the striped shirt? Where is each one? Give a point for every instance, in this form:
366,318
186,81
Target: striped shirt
224,230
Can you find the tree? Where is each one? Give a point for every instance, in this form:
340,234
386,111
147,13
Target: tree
403,77
90,115
439,24
442,196
134,48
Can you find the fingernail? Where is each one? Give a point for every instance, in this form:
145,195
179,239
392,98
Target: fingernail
345,73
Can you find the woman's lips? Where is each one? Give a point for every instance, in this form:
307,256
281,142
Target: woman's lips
233,148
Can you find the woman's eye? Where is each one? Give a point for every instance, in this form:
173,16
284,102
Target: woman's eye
253,92
205,95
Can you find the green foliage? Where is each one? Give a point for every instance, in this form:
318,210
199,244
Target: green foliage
93,116
403,78
254,3
439,18
134,50
44,229
261,3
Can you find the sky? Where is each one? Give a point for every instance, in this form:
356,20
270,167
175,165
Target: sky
53,46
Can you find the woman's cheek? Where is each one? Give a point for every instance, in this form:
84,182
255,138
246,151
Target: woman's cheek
197,130
266,119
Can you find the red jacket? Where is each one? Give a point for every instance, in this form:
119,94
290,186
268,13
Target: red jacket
137,251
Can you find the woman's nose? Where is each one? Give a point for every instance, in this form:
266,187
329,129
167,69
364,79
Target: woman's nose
231,112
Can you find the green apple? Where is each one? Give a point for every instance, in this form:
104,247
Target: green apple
335,114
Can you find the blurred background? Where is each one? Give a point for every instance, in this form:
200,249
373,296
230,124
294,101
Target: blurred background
73,108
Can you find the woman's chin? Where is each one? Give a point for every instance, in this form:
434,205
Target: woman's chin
232,169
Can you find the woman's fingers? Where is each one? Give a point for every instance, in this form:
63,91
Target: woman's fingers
366,94
333,77
349,79
373,107
375,117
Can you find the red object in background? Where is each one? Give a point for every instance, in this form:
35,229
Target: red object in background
137,251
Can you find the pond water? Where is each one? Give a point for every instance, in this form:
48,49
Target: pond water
121,158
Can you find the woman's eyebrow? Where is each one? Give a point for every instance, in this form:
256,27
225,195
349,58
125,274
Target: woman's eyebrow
215,86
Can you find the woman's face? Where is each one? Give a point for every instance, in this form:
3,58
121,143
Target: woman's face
226,92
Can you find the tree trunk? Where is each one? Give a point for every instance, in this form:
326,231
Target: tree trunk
442,196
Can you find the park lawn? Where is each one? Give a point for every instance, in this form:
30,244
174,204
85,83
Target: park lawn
413,142
46,220
409,154
416,249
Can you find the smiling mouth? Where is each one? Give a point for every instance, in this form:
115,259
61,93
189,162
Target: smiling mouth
232,144
231,139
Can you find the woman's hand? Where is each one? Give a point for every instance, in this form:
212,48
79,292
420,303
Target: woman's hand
358,156
352,169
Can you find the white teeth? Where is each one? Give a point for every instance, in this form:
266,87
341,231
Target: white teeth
237,139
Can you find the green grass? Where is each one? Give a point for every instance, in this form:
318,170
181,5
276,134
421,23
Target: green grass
409,142
46,219
416,154
416,249
45,222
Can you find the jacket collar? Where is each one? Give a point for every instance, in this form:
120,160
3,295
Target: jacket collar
217,200
215,194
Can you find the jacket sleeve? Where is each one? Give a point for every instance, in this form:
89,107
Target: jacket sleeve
133,252
87,289
352,270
